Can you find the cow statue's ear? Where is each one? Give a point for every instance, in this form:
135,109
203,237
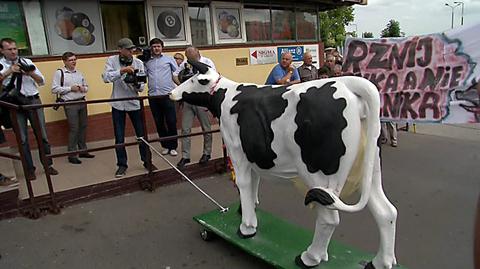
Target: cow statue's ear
201,67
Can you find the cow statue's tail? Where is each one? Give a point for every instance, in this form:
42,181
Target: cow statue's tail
369,93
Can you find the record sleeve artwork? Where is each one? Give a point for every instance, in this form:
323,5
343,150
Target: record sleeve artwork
228,24
169,24
74,26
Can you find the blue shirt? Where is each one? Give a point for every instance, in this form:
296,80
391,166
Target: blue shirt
278,73
160,71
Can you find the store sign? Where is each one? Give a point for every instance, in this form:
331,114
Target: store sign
265,55
296,51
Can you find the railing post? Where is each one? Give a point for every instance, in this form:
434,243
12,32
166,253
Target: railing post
44,159
146,184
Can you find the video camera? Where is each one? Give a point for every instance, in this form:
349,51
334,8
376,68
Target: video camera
186,73
146,54
136,78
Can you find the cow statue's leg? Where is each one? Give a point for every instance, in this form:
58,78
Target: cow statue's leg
255,183
385,215
245,185
327,221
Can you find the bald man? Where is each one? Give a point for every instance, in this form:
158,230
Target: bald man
284,73
190,111
307,70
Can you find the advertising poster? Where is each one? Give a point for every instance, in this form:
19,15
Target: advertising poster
425,78
73,26
12,24
265,55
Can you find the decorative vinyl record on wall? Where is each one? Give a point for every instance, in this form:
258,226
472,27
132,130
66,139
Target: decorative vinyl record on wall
74,26
169,24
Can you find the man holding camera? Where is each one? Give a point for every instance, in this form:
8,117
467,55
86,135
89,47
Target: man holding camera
128,78
21,78
69,85
190,111
160,69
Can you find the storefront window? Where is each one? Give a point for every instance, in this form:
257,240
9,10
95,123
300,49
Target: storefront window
200,24
257,23
12,25
306,25
125,19
283,22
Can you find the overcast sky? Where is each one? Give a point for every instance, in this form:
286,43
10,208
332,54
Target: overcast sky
416,17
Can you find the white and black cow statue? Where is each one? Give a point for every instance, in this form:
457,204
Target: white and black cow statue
310,130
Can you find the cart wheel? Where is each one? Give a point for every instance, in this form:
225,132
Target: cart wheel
207,235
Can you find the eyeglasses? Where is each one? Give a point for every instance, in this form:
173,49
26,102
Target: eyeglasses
177,58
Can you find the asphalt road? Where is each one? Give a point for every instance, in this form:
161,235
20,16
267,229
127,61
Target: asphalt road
433,181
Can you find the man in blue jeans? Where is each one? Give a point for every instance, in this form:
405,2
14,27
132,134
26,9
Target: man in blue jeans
120,70
160,69
21,75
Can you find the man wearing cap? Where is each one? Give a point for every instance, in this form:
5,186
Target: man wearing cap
119,70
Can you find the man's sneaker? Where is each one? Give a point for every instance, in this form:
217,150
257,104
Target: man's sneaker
183,161
394,144
165,151
204,159
31,175
74,160
86,155
154,168
7,181
121,171
173,152
52,171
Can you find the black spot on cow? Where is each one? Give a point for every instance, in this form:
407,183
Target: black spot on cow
320,124
256,109
212,102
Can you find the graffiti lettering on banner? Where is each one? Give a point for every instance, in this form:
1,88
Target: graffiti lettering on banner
428,78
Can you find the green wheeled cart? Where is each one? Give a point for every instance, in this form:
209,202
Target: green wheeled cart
277,241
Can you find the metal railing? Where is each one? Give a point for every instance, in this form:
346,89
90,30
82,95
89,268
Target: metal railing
34,210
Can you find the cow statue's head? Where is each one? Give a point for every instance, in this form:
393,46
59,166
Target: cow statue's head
200,89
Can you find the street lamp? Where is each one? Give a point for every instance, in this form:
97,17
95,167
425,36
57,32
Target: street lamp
461,3
452,7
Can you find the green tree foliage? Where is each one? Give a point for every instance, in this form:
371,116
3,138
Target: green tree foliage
392,29
332,25
367,35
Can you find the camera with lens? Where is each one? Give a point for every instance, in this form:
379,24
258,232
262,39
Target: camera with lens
24,66
136,78
146,54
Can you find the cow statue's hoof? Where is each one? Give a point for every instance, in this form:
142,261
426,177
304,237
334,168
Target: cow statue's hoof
245,236
299,262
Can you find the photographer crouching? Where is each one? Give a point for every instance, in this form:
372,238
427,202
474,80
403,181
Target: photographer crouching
128,78
20,80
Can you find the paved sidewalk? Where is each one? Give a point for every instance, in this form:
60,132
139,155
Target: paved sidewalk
432,180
